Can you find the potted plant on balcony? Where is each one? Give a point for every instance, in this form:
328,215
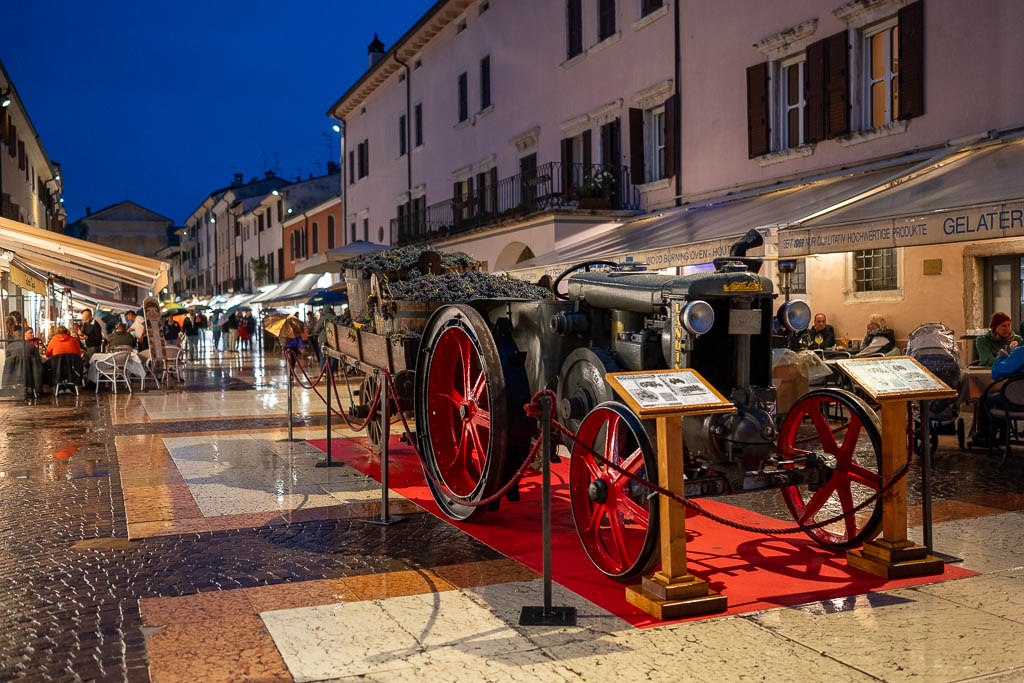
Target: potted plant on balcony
259,270
596,191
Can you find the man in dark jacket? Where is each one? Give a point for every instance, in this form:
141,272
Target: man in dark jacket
92,335
201,324
188,326
171,331
821,335
121,337
232,327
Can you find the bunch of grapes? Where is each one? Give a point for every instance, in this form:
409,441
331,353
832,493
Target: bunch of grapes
405,258
460,287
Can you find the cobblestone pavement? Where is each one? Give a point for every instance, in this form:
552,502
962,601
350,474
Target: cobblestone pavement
79,600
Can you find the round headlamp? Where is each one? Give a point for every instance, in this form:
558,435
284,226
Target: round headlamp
795,315
697,317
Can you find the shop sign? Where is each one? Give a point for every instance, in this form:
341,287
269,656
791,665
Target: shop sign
940,227
27,281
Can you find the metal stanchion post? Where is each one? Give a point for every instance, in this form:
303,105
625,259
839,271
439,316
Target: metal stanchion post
386,518
328,460
926,485
547,615
289,362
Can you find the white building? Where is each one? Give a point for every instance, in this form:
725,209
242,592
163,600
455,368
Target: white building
480,127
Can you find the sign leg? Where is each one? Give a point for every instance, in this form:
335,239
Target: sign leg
893,555
673,592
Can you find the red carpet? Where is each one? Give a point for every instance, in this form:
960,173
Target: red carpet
755,572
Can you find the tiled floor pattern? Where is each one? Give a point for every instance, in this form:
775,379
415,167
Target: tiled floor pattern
421,604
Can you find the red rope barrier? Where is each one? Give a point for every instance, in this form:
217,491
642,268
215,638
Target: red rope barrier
353,426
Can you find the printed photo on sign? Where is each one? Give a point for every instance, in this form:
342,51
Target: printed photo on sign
891,376
662,390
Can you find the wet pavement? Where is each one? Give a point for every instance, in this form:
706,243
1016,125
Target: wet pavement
116,564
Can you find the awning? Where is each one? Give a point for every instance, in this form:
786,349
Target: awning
700,232
270,292
101,302
86,262
299,288
330,260
972,193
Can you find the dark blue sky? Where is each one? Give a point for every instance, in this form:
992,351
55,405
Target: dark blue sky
162,102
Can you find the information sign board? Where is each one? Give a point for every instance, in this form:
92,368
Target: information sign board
895,377
27,281
662,392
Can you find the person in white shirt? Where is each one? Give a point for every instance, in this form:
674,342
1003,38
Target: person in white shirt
136,325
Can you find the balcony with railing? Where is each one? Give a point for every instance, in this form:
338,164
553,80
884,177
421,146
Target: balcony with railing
552,187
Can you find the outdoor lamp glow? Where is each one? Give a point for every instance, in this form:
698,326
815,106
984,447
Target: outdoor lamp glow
5,102
275,193
336,128
698,317
795,315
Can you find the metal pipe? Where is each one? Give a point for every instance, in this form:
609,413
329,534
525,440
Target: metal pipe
545,435
926,474
288,361
385,425
330,388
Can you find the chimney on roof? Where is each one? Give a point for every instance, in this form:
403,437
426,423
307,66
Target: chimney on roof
239,180
375,50
88,211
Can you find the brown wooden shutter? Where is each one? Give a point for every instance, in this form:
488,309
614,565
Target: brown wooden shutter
566,164
911,60
22,159
671,114
13,148
4,123
814,92
636,145
588,151
838,91
757,110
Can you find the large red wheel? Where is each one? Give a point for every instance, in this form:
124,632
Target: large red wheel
616,518
461,410
843,431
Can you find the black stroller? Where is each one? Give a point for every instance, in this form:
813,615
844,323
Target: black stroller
933,345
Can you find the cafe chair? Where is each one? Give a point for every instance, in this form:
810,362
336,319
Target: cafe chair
67,374
1004,402
112,370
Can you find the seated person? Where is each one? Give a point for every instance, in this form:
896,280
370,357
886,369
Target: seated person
121,337
821,334
62,342
879,339
1008,361
998,338
23,366
30,337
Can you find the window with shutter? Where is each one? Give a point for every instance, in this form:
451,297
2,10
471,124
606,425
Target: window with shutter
837,100
757,110
13,149
463,85
366,229
22,159
330,232
671,114
351,167
485,82
648,6
605,19
573,28
910,53
316,238
567,164
401,135
814,92
636,145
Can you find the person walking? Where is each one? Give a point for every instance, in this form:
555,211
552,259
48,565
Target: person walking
218,324
250,329
319,332
201,324
188,326
172,330
232,327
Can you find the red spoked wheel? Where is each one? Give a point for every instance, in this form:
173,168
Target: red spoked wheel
843,431
616,518
461,410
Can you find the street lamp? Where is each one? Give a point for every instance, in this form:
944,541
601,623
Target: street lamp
5,98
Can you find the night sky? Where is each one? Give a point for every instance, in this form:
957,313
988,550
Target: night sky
162,102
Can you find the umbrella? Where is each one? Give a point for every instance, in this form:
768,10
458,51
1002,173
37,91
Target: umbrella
286,328
272,318
327,297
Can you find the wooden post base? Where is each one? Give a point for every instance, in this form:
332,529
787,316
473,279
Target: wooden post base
686,596
894,560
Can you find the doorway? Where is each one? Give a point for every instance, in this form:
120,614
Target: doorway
1003,276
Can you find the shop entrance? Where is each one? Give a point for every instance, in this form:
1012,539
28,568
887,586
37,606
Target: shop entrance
1003,276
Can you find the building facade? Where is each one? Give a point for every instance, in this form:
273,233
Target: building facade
780,93
30,182
310,232
490,124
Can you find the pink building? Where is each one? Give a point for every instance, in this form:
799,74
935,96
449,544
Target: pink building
485,125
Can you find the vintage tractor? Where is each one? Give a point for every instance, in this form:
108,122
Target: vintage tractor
478,363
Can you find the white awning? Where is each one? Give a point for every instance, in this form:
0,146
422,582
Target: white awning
86,262
271,292
972,193
702,231
299,288
330,260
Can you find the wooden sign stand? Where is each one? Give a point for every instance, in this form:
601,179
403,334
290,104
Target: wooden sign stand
672,592
894,555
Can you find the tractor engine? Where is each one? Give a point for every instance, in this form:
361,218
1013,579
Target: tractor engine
717,323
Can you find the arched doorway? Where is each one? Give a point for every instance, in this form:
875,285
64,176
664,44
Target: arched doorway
513,253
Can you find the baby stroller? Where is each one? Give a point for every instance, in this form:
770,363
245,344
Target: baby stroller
933,345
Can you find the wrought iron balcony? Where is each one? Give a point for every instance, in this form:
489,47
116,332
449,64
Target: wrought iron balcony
554,186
